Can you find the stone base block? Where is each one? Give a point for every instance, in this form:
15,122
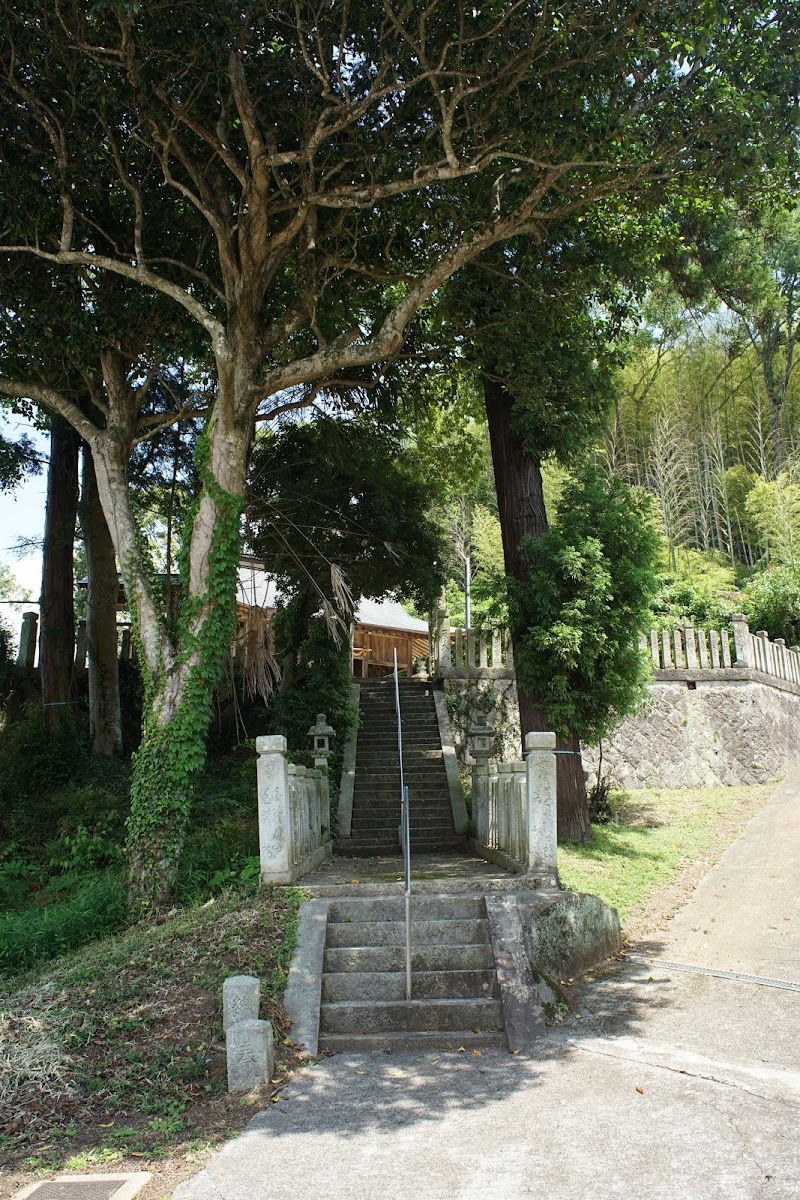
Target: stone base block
250,1053
568,934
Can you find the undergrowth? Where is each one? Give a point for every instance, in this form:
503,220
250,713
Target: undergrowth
117,1049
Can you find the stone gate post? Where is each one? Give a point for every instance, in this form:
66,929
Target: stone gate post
540,765
274,815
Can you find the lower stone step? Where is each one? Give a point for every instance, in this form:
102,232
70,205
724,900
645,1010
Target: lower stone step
425,985
392,933
391,849
405,1016
473,957
464,1039
424,907
418,846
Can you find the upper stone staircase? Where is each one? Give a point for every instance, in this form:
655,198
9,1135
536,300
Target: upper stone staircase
376,793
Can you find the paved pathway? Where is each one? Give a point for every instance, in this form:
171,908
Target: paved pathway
672,1084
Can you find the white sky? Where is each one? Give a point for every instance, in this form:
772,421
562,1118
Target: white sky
22,515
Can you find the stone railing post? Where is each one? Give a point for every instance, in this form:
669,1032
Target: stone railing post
27,639
274,814
742,641
540,766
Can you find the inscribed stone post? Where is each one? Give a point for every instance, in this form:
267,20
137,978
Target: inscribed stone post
274,817
250,1055
541,780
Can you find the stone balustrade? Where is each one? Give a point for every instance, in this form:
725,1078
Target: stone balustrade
514,805
689,653
294,814
469,653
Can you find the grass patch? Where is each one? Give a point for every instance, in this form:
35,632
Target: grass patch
116,1051
653,840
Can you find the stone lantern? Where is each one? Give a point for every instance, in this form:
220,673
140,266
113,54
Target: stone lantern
481,743
320,735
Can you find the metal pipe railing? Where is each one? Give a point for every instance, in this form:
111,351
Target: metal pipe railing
405,829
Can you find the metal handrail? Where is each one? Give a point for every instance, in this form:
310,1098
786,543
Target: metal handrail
405,829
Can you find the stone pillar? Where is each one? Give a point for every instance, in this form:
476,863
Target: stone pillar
540,766
742,641
690,647
274,816
241,997
443,650
27,639
250,1055
81,644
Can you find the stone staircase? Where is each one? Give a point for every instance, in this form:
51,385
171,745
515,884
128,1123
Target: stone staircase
455,993
376,794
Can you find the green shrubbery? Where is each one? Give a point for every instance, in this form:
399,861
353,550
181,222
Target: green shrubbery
772,602
33,935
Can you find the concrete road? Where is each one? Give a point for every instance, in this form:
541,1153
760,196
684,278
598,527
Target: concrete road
678,1080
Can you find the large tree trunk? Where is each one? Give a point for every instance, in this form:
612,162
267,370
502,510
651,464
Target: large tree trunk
179,672
520,503
57,612
105,720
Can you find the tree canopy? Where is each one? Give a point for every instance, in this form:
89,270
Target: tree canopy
276,191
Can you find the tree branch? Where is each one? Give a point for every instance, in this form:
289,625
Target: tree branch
79,258
54,401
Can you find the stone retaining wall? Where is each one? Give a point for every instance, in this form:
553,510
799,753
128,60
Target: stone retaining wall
484,701
693,732
702,735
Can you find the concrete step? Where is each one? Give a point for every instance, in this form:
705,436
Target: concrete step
442,827
392,908
387,849
465,1039
473,957
394,1016
392,933
425,985
438,814
414,772
436,810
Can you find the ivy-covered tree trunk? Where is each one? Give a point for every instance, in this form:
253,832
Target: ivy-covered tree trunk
57,612
179,670
521,509
105,720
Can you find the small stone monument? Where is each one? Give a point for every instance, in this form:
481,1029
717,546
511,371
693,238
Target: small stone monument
241,996
250,1055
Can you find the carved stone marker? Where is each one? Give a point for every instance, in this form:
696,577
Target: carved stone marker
241,996
250,1055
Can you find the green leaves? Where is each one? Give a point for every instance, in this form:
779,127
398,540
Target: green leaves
577,617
